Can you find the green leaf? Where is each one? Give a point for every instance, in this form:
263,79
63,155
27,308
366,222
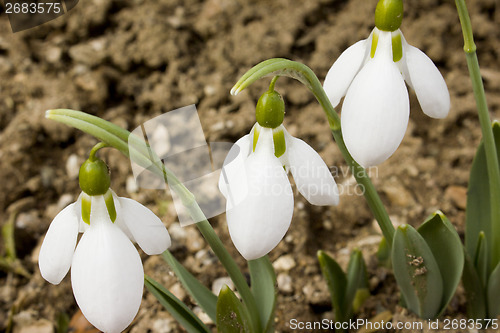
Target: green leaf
263,281
481,262
230,313
357,282
337,284
175,307
476,300
62,322
478,212
201,294
416,272
384,253
445,244
493,293
8,237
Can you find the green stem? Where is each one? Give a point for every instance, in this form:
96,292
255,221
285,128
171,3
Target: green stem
371,196
120,138
306,76
485,122
95,149
273,83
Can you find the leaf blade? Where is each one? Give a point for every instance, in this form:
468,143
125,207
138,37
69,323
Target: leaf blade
416,272
446,247
357,282
201,294
478,209
231,316
175,307
263,281
337,284
475,290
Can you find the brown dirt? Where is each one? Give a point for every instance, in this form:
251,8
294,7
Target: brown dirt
131,60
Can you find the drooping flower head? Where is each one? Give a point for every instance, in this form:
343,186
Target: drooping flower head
371,74
255,183
106,271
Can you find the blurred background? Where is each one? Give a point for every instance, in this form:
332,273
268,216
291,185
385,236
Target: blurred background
128,61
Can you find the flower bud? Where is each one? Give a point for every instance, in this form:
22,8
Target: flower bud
270,109
389,15
94,177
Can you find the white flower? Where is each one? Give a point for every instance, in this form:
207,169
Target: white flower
371,74
258,193
106,271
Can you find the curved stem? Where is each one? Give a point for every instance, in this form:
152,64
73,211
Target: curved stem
306,76
120,138
273,83
95,149
485,122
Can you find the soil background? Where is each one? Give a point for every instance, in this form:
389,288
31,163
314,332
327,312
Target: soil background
128,61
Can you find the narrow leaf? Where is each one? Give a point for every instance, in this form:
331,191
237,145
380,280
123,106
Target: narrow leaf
493,294
446,247
8,238
201,294
476,298
416,272
263,281
230,313
337,284
384,253
481,262
478,212
175,307
357,282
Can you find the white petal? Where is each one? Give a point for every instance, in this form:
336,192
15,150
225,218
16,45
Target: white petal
312,177
232,170
260,221
343,71
58,246
107,275
146,228
423,76
376,109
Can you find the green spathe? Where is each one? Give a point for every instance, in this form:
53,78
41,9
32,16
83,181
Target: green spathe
389,15
94,177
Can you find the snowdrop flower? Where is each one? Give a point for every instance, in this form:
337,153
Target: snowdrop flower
255,184
371,74
106,271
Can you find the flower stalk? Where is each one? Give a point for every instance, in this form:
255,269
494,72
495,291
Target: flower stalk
302,73
485,123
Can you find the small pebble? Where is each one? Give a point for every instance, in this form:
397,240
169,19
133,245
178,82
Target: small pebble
64,200
195,243
72,166
131,185
29,220
284,263
316,292
205,319
163,325
217,126
177,232
457,195
178,291
220,282
284,283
